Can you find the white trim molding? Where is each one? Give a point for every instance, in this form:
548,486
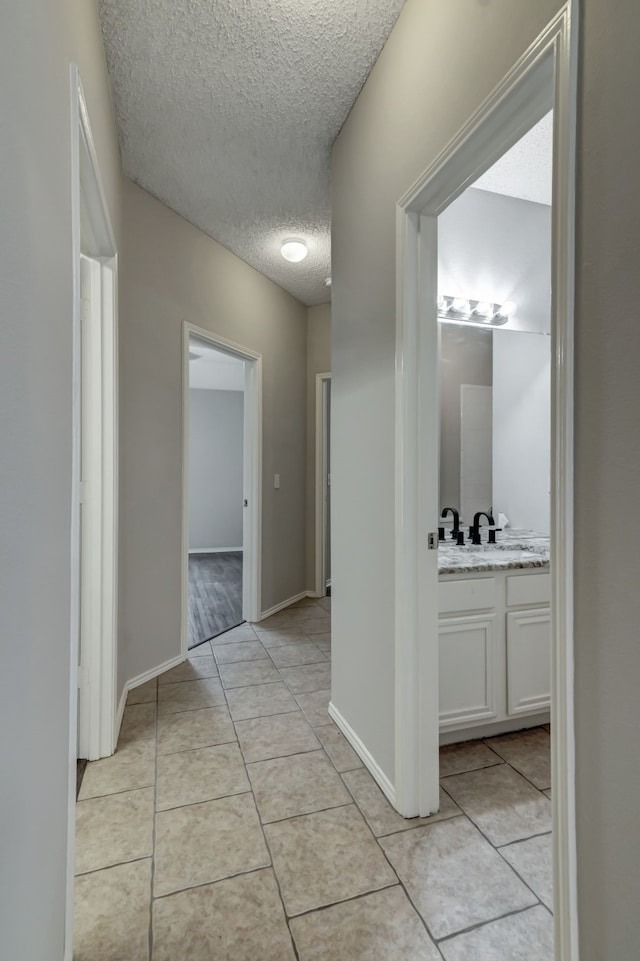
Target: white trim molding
321,486
216,550
92,725
543,78
283,604
383,782
252,523
142,679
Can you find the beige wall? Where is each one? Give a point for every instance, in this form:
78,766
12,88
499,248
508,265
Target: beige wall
417,97
318,362
38,41
171,273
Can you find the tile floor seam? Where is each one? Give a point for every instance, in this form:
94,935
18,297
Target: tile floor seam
473,770
524,731
273,869
153,831
484,924
416,827
476,825
305,814
207,884
517,873
107,867
407,892
198,748
510,844
471,819
497,850
218,797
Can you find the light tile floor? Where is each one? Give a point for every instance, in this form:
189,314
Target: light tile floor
236,822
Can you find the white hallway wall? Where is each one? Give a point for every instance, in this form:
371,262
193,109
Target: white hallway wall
38,41
380,151
216,433
415,100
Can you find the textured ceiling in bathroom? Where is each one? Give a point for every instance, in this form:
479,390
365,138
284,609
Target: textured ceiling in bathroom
525,171
227,110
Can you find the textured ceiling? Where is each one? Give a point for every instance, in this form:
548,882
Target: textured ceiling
227,110
525,171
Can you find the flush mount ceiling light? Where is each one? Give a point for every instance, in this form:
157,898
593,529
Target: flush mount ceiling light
478,313
294,250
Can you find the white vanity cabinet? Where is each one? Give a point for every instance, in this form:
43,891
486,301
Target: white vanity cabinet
495,648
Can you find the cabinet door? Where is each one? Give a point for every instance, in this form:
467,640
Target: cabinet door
528,661
467,651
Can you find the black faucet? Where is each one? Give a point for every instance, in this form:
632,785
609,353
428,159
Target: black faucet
474,530
456,521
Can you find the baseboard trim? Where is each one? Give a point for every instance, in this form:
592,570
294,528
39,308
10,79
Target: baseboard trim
120,715
492,730
364,754
215,550
280,607
136,682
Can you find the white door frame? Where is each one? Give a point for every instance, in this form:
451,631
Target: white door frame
252,473
321,490
544,77
94,574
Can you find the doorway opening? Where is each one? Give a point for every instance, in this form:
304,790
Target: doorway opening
477,647
221,486
216,490
323,485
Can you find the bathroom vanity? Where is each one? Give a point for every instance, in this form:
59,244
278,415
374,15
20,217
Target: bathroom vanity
495,635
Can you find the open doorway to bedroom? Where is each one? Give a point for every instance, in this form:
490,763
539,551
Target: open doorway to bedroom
215,490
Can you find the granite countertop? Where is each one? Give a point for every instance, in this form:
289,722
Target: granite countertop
514,550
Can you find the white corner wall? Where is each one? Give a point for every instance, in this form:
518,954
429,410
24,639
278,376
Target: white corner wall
216,434
39,39
417,97
522,428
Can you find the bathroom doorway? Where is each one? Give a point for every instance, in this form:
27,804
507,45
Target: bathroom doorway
543,80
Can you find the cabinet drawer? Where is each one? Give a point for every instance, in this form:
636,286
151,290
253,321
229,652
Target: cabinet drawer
454,597
527,589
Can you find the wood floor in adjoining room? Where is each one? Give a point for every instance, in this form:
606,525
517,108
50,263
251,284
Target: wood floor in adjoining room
215,594
235,822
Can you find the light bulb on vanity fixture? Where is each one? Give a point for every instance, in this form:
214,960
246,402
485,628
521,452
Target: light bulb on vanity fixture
475,313
294,250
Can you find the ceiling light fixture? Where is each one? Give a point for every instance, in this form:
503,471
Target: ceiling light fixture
478,313
294,250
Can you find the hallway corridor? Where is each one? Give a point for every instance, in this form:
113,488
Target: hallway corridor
235,822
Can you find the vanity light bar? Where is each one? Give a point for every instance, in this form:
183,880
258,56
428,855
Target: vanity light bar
481,313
